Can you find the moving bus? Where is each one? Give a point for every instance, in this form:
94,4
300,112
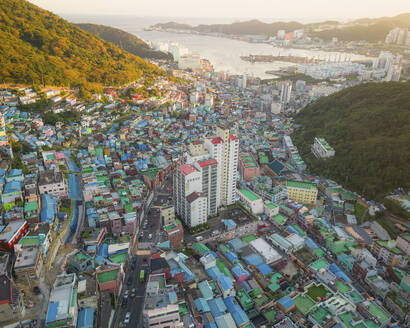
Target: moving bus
142,276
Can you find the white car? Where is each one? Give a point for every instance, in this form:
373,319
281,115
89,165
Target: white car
127,317
150,236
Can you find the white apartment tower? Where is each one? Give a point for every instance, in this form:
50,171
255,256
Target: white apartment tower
210,184
208,179
189,202
285,91
229,165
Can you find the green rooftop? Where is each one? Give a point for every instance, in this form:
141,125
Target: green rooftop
395,249
300,184
29,240
280,219
320,314
270,315
317,292
107,276
270,205
249,238
201,248
249,194
151,173
119,258
324,143
378,312
319,264
356,297
304,303
342,287
347,319
222,267
30,206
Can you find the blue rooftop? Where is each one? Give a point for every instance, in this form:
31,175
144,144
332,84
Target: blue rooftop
86,318
225,282
217,307
254,259
48,208
202,305
286,302
264,269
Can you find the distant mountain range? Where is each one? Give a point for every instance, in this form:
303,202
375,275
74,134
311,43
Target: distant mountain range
368,29
368,126
38,47
125,41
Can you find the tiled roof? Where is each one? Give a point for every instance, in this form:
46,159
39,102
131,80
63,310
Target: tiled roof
232,137
186,169
194,196
217,140
208,162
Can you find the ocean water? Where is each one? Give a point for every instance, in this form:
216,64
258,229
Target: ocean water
223,53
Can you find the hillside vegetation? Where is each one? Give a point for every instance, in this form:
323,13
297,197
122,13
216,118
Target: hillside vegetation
38,47
368,126
125,41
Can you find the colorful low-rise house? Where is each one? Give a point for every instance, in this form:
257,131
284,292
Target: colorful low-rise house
109,279
175,233
389,253
248,166
153,178
29,261
34,241
94,237
302,192
251,200
52,182
31,212
62,307
11,233
81,262
12,195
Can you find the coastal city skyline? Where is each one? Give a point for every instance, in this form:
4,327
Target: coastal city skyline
308,11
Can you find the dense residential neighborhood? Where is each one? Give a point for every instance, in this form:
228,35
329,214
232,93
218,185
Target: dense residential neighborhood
190,208
181,200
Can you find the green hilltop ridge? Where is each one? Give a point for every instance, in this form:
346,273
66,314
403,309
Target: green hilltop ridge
373,30
40,48
368,126
367,29
125,41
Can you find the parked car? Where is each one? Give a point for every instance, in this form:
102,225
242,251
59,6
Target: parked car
127,317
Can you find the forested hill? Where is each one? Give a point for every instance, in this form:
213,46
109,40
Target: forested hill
38,47
368,126
125,41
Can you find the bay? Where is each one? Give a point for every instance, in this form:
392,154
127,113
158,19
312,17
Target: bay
223,53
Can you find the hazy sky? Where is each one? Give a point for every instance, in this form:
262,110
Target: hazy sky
275,9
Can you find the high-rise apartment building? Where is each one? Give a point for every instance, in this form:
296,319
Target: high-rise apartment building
285,90
210,184
229,164
208,177
187,181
